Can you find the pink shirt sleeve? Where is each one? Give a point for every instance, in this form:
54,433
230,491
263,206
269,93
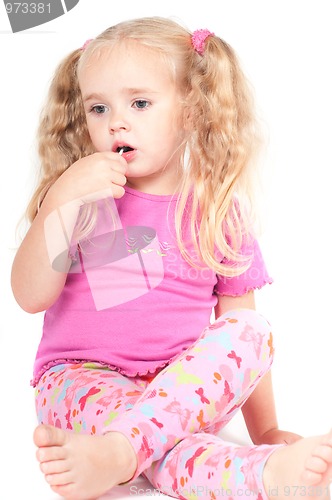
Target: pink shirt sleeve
256,276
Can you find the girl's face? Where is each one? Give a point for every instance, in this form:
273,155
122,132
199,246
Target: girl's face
130,100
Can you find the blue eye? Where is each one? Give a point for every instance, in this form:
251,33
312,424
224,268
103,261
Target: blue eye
141,104
99,109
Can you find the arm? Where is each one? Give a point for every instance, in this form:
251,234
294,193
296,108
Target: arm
227,303
36,285
259,410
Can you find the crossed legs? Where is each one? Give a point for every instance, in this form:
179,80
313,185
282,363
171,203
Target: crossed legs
164,428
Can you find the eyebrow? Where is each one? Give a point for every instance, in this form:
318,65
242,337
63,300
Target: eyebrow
93,97
142,90
129,91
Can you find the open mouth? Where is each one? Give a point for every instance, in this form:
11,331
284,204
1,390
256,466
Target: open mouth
123,149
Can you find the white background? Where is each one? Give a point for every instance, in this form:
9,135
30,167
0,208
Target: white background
285,48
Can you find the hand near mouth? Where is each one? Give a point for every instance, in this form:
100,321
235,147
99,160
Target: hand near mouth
91,178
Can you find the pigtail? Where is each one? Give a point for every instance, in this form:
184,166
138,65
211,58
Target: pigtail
222,141
62,135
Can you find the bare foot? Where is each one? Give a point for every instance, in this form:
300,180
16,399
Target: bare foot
300,470
82,467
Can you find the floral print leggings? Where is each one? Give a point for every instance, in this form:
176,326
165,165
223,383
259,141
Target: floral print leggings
173,419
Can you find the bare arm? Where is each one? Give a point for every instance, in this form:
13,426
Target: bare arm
259,410
227,303
36,285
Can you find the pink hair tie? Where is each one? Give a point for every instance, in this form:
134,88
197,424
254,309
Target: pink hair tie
84,46
198,40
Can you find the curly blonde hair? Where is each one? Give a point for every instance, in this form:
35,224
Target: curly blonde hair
221,136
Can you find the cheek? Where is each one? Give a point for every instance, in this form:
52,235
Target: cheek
96,136
90,128
167,129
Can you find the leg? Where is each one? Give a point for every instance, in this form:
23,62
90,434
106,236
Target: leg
202,388
84,398
81,400
314,452
205,466
197,404
226,386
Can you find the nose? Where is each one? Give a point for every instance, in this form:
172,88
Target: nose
117,123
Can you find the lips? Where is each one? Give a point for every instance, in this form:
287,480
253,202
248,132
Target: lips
125,147
126,151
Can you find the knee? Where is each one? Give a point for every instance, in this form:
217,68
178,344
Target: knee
248,335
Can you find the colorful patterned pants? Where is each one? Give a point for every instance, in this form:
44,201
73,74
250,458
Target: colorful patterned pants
172,420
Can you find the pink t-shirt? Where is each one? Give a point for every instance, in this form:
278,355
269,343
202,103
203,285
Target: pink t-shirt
140,304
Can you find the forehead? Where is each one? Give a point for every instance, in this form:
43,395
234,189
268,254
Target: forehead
132,63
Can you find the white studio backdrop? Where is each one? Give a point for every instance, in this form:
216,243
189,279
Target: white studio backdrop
285,49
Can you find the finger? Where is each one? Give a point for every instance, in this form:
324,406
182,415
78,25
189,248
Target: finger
118,191
118,162
118,178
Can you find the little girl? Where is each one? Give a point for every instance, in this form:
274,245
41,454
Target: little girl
140,228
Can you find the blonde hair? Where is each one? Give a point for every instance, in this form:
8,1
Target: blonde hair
221,136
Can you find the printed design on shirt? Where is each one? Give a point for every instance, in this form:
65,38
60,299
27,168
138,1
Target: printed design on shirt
133,266
134,246
121,263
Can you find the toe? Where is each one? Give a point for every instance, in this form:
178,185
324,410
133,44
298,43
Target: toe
48,453
316,464
325,452
41,436
54,467
311,478
67,491
320,460
328,439
47,435
61,479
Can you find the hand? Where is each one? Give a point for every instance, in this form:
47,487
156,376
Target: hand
93,177
277,436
